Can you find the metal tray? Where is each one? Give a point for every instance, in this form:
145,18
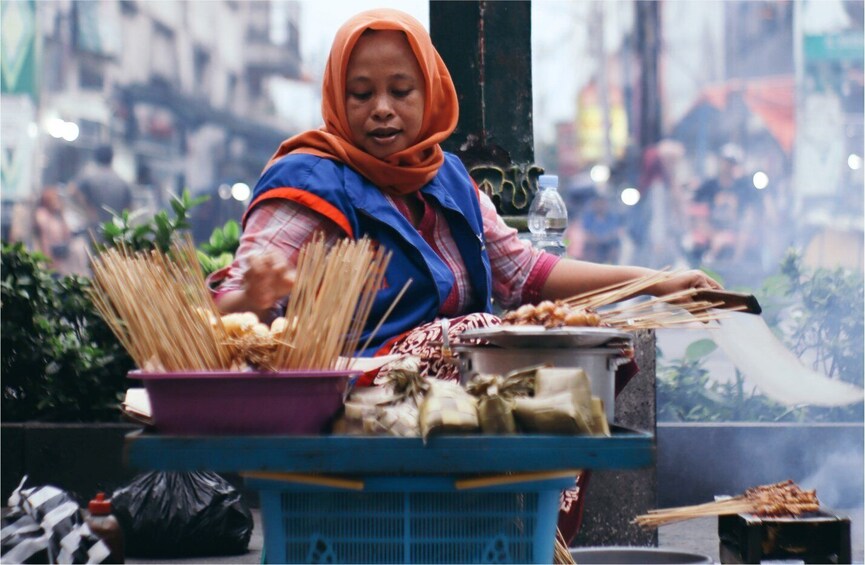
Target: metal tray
534,337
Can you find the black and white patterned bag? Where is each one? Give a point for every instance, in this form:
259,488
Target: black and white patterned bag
44,525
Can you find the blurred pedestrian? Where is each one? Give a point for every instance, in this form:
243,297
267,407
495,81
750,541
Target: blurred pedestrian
603,229
99,189
733,207
53,237
18,220
657,225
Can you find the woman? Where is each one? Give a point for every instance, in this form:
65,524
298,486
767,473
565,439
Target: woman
376,169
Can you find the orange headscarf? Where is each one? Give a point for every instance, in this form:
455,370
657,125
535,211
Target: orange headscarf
408,170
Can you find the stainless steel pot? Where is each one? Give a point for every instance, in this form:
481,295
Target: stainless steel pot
600,365
642,555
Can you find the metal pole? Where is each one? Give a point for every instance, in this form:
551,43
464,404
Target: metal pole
603,87
648,47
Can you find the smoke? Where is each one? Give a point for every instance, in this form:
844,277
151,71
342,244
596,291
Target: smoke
840,486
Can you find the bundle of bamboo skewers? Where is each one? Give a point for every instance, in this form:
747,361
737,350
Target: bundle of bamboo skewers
561,553
161,311
778,499
590,308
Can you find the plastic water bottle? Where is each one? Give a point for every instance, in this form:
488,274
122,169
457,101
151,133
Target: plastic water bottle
548,215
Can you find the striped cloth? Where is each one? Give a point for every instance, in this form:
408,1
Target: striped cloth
44,525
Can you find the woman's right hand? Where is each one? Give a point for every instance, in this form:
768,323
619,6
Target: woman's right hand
268,279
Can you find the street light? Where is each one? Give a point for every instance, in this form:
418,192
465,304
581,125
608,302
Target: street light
55,127
70,131
760,180
600,174
854,161
240,191
61,129
630,196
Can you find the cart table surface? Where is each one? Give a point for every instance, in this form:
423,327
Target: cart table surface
340,454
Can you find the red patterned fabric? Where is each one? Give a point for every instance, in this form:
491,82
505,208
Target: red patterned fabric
571,506
425,342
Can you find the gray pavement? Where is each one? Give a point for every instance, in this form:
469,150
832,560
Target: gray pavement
693,536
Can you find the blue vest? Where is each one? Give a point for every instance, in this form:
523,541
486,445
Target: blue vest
360,210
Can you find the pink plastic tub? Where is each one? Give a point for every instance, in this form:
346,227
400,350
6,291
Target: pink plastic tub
248,403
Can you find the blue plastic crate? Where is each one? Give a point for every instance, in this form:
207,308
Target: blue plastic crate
410,520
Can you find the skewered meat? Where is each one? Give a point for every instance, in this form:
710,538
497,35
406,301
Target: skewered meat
778,499
551,315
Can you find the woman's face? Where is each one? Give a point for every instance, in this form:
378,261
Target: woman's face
384,96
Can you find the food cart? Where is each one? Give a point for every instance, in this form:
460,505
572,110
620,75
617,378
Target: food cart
459,499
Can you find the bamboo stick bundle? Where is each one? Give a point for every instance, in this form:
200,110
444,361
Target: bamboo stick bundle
331,300
161,311
618,292
153,304
667,311
778,499
561,553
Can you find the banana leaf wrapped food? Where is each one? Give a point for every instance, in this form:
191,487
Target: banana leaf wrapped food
562,403
600,426
447,408
361,404
496,394
390,408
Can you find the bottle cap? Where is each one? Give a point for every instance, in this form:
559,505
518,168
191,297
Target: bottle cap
545,181
99,506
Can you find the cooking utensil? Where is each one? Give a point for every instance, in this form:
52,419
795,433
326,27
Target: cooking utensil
730,300
533,337
753,348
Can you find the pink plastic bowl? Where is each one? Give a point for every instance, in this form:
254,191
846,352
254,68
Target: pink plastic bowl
247,403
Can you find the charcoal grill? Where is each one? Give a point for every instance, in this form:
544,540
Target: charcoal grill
816,537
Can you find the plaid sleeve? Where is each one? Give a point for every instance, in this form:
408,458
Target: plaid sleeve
519,270
274,225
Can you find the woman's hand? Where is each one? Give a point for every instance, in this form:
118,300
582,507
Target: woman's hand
268,279
570,277
684,281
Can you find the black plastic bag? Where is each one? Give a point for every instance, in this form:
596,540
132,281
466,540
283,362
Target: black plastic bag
44,525
172,514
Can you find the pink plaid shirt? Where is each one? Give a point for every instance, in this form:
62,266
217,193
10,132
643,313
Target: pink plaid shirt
519,271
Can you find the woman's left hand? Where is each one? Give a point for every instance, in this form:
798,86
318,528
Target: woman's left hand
694,278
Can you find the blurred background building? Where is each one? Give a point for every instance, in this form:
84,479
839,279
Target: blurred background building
183,91
782,81
633,101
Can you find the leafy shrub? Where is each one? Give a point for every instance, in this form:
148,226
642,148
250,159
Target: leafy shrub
60,360
818,314
139,234
686,393
219,251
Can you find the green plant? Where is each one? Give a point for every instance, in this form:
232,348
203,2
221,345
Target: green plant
818,314
687,393
60,361
219,251
139,234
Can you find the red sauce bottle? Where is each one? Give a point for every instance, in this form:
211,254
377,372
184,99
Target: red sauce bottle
105,525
